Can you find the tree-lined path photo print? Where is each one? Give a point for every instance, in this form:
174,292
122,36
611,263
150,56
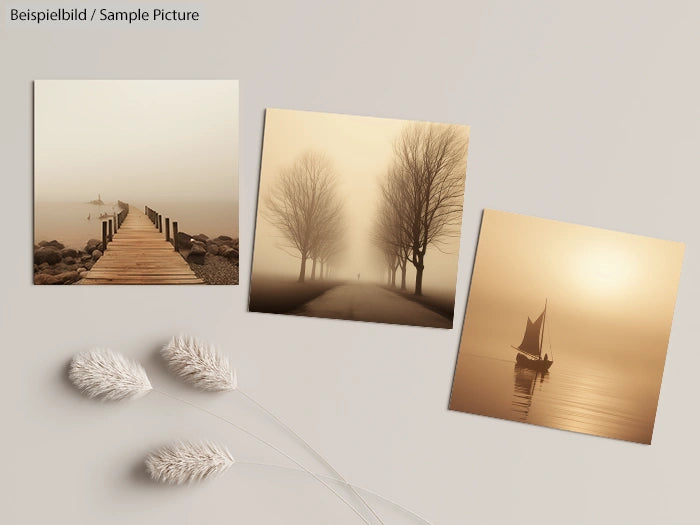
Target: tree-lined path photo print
359,218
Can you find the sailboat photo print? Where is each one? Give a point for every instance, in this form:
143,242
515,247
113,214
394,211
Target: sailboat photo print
602,301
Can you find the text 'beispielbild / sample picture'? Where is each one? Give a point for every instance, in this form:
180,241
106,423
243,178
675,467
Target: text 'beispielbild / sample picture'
136,182
567,326
359,218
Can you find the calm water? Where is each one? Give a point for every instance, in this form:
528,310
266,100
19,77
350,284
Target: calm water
592,401
68,222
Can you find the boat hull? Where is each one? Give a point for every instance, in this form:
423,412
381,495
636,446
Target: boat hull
534,364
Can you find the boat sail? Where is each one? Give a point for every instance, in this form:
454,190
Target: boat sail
530,349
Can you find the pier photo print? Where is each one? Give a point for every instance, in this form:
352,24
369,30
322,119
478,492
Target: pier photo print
136,182
567,326
359,218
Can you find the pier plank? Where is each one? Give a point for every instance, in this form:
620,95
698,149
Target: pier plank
139,254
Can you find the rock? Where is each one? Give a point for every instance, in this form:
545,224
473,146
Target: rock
201,238
69,252
69,260
89,264
92,245
82,270
198,248
86,257
47,254
229,253
43,266
212,248
222,238
61,278
184,241
197,253
51,244
96,254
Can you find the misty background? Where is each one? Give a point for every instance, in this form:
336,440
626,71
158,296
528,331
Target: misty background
360,150
168,144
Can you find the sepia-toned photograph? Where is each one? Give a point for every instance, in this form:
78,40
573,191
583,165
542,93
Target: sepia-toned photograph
567,326
359,218
136,182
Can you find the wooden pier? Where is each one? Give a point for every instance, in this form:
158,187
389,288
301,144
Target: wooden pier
139,253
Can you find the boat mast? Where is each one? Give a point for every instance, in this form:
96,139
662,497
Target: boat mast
544,318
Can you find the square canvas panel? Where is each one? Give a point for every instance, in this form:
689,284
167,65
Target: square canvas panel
136,182
567,326
359,218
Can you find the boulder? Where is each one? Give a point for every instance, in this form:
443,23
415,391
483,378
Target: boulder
48,255
89,264
61,278
92,245
201,238
96,254
184,241
86,257
198,248
212,248
196,254
223,238
229,253
69,252
69,260
51,244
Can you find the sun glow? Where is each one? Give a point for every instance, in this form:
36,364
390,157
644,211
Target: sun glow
605,269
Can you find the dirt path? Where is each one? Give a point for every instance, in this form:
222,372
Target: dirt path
368,302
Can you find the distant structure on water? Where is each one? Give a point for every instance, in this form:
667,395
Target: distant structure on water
97,201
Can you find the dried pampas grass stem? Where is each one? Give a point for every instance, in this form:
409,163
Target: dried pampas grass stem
199,363
309,448
271,446
104,374
341,482
185,462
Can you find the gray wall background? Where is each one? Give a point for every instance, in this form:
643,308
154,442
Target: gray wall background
581,112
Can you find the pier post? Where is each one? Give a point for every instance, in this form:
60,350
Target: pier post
104,236
145,210
116,223
110,230
160,223
175,234
167,229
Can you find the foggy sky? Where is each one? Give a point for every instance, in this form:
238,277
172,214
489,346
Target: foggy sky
136,140
360,149
610,295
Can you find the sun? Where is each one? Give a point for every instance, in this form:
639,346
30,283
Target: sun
605,269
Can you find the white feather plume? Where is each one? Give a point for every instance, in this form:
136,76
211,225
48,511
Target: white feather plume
199,363
184,462
104,374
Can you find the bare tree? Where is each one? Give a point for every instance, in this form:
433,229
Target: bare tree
305,208
425,189
389,236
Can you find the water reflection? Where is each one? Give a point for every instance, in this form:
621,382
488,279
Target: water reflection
524,383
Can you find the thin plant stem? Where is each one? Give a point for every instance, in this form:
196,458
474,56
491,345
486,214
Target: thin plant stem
342,482
309,448
268,444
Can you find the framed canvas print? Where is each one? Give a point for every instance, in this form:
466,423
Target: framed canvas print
567,326
359,218
136,182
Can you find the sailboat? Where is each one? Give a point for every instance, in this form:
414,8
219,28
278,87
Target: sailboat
530,350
